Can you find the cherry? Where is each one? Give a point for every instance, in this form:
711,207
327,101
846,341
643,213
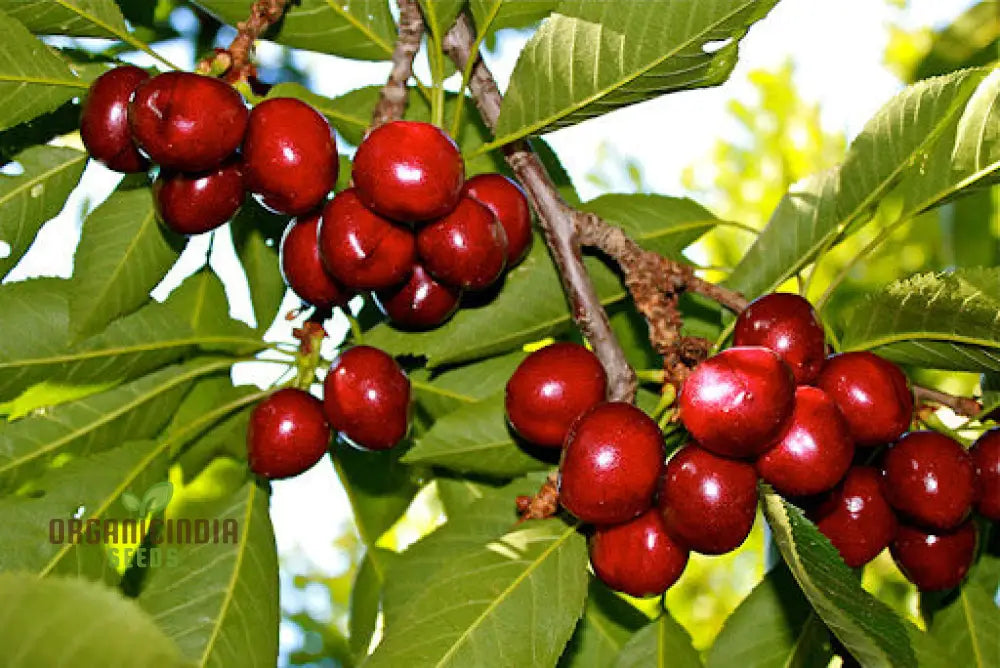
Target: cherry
934,561
813,452
187,121
930,479
367,398
638,557
361,249
871,393
291,156
409,171
736,403
466,248
787,324
302,268
104,125
419,303
611,464
550,389
986,457
507,202
192,203
708,502
288,433
856,517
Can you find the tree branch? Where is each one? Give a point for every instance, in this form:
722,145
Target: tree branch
236,61
966,406
392,101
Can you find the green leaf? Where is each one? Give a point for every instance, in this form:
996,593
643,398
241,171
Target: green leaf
663,642
71,622
201,299
123,253
607,624
968,626
256,235
493,15
226,438
439,15
158,496
131,502
438,394
593,57
517,597
78,18
35,196
366,593
380,489
990,384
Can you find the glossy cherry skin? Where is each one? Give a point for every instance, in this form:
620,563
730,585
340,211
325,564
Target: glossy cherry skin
288,433
986,457
302,268
195,203
367,398
934,561
466,248
611,464
290,155
736,403
507,202
871,393
409,171
930,479
550,389
104,126
856,517
813,451
419,303
787,324
708,502
360,248
638,558
187,122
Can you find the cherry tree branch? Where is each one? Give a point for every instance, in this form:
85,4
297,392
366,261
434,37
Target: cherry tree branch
236,61
966,406
392,100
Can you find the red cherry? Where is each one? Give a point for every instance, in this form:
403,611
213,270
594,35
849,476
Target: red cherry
930,479
934,561
550,389
507,202
421,302
638,557
192,203
187,121
708,503
288,433
736,403
466,248
986,457
367,398
611,464
302,268
409,171
361,249
291,156
104,125
813,452
787,324
871,393
856,517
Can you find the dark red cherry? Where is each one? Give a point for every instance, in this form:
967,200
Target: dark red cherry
736,403
986,457
288,433
813,451
708,502
930,479
871,393
507,202
550,389
302,268
639,557
419,303
290,155
466,248
934,561
856,517
787,324
366,397
360,248
192,203
104,125
611,464
187,122
409,171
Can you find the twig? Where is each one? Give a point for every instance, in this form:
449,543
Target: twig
236,60
392,101
543,504
966,406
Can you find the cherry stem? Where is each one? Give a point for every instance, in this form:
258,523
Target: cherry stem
392,100
357,334
966,406
654,376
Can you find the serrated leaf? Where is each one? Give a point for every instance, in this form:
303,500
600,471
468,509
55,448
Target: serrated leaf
968,626
78,18
201,299
665,225
662,642
439,15
438,394
380,489
608,623
493,15
256,235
